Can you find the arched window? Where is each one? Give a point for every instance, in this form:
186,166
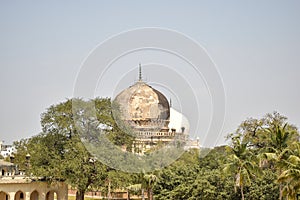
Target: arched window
19,196
51,195
4,196
34,195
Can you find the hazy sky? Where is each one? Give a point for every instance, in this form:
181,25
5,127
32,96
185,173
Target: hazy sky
255,45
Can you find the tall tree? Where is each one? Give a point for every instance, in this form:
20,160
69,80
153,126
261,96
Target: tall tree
148,182
258,133
278,149
58,153
242,164
290,176
270,138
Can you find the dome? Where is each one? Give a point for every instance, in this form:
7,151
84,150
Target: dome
143,105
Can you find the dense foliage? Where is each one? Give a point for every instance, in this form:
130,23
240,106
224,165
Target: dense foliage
262,160
58,153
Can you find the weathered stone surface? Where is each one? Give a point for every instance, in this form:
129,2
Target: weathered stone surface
143,104
22,188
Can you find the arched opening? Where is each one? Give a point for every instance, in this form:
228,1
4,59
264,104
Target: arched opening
19,195
3,172
51,195
4,196
34,195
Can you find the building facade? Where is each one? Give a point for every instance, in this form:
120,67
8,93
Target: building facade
147,114
14,186
6,150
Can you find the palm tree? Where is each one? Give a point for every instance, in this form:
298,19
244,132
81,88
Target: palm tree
278,150
291,175
241,163
135,188
148,183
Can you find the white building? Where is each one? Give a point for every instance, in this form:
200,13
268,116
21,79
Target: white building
6,150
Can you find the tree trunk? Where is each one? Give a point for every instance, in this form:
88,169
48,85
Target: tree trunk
151,194
242,192
143,196
80,195
280,186
280,191
148,194
108,193
128,195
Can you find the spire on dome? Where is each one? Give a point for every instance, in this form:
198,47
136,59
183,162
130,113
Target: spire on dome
140,73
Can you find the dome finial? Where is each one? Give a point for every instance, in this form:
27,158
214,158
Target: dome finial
140,72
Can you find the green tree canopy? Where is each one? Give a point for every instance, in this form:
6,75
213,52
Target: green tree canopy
58,153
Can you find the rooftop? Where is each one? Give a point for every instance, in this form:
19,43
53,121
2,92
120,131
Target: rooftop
4,163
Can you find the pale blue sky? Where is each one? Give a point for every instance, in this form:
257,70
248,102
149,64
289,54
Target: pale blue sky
255,45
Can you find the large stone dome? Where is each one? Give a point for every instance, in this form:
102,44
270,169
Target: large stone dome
143,105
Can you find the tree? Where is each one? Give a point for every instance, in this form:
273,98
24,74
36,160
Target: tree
149,181
269,138
290,176
241,163
258,133
117,180
193,177
278,149
58,153
82,170
56,158
20,156
176,180
67,157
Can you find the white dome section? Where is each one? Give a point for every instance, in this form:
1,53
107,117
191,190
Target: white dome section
178,121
